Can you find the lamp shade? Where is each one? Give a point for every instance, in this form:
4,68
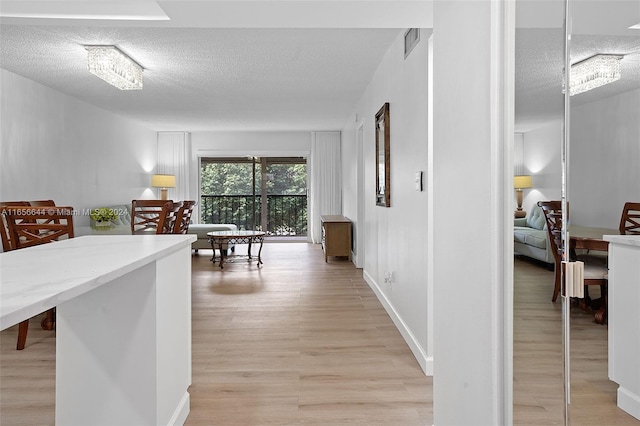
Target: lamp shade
163,181
521,182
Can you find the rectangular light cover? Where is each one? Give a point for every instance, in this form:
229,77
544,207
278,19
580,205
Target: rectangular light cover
594,72
114,67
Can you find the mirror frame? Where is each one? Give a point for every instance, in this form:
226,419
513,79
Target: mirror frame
383,150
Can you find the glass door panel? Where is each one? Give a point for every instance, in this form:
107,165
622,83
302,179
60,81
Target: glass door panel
603,160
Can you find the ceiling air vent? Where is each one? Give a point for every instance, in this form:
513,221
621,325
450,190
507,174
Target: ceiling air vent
411,38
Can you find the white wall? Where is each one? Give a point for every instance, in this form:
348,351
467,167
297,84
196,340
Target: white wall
56,147
232,144
604,159
542,161
395,237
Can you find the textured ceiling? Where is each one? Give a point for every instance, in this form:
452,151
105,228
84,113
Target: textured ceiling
207,78
295,65
539,64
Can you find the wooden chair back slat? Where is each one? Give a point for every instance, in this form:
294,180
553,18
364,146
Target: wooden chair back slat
30,226
184,217
145,215
168,217
553,216
630,219
8,243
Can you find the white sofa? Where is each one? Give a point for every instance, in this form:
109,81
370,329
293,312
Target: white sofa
201,229
530,237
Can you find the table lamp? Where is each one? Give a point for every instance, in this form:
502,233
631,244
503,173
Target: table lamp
520,183
163,182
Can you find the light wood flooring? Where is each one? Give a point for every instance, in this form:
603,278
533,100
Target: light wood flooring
301,341
538,354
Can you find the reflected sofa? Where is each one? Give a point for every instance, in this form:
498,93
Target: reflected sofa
530,237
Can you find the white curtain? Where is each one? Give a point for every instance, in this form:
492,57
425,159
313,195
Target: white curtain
325,181
173,159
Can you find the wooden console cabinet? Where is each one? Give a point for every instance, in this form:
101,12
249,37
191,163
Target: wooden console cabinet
336,236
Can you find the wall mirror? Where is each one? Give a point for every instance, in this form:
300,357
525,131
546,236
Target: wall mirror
602,137
572,142
383,172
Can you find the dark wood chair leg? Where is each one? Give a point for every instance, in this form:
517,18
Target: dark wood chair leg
49,322
556,286
23,328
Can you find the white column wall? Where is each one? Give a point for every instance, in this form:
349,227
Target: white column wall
56,147
473,240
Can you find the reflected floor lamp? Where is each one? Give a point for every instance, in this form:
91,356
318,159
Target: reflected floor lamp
520,183
163,182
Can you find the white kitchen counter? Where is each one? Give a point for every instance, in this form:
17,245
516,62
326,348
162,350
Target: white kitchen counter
123,325
624,319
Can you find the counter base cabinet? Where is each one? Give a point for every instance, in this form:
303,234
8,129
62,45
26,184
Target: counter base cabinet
336,236
123,329
624,320
137,355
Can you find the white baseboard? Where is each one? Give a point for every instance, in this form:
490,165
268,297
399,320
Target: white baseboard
629,402
181,412
426,363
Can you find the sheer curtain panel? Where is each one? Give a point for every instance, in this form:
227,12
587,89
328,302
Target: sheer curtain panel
325,181
173,159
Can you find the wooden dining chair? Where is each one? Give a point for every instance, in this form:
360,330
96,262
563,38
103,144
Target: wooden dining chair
145,215
30,226
7,242
553,217
630,219
595,273
184,217
168,217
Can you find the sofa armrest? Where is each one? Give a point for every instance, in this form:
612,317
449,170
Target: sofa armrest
520,221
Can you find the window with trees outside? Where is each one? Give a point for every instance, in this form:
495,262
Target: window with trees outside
267,194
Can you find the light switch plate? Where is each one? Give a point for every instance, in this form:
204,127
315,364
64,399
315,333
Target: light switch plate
418,181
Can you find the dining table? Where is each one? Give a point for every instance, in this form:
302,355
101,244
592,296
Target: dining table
589,238
585,239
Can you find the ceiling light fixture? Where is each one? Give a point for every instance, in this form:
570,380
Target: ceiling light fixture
114,67
593,72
